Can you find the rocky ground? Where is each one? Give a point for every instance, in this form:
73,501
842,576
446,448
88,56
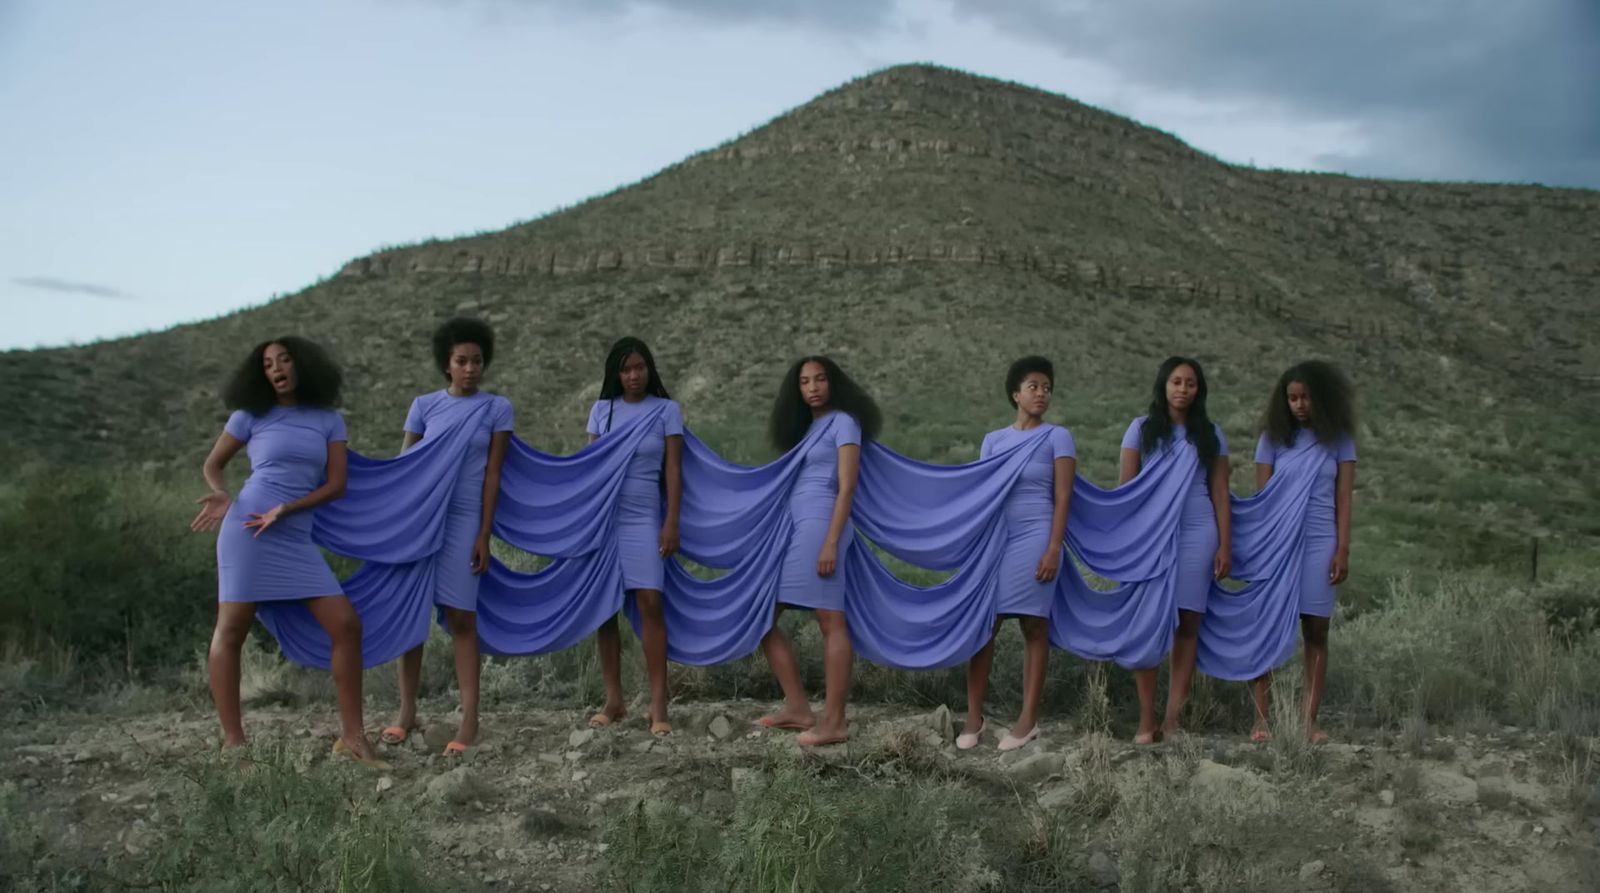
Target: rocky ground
1493,809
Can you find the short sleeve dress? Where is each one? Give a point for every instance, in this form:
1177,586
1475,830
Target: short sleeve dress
435,415
639,505
288,450
1320,535
1197,525
811,509
1028,510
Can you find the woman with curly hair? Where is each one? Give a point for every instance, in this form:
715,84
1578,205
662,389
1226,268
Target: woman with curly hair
282,398
631,392
1308,431
1036,524
1177,426
823,410
462,350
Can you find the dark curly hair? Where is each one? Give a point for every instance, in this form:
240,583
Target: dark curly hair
1333,404
317,378
1157,429
461,330
791,417
611,382
1022,369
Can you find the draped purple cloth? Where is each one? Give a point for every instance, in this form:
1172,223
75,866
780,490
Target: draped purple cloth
949,517
1128,535
733,519
1251,631
562,508
943,518
392,518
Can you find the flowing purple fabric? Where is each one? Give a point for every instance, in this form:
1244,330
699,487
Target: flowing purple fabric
391,517
1128,535
948,517
1251,631
736,520
733,518
940,518
564,508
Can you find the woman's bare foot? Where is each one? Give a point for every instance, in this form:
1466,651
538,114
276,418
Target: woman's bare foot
821,736
1315,734
1147,735
793,718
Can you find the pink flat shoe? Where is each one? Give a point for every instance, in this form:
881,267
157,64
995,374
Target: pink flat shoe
1010,743
969,740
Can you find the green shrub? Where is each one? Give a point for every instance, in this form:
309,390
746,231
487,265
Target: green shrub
1469,644
103,563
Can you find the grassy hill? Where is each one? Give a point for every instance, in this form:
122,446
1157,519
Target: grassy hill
926,226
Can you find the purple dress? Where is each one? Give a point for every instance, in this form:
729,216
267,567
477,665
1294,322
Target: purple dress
1320,536
288,449
454,583
1197,525
639,505
811,511
1029,507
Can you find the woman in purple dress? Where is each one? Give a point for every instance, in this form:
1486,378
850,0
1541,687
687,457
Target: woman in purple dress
647,536
1309,428
1036,525
823,411
462,349
1178,413
282,399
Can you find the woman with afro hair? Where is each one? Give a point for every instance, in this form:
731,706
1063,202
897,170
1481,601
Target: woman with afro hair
462,350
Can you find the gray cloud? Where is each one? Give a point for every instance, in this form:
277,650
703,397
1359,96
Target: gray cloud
1497,90
46,283
1445,89
849,14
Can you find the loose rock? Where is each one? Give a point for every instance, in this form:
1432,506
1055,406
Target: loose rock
1036,767
1103,869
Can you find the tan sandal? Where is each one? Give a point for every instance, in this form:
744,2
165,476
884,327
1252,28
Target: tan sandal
661,729
602,719
341,749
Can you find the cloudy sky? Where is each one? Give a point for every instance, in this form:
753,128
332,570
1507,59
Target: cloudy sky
161,163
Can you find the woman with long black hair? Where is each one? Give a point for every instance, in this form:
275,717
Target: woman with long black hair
1176,425
823,410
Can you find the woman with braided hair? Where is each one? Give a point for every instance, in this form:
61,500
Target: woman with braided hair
646,520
